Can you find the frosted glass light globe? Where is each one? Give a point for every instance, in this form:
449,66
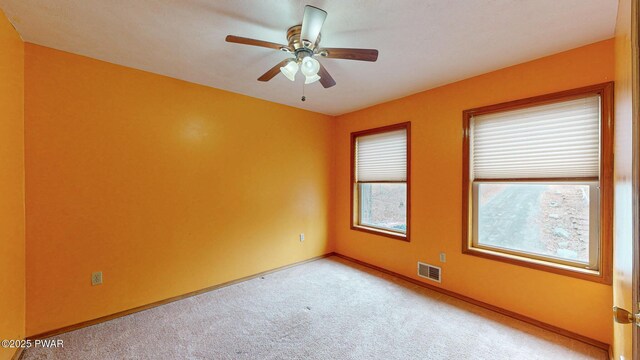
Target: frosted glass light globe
311,79
290,70
310,66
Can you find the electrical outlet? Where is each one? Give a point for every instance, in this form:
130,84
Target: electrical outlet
443,257
301,237
96,278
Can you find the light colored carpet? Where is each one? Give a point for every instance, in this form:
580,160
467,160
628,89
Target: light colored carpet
326,309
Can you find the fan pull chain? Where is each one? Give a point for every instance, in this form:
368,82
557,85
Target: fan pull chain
304,98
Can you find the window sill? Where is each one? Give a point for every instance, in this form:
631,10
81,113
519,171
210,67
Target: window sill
376,231
561,269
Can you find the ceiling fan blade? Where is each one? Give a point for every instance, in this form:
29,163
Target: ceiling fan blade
311,24
254,42
273,71
351,54
325,79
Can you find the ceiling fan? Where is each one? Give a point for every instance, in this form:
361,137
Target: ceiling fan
303,45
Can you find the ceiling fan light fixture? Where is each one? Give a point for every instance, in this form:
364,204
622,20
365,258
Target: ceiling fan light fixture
303,43
310,66
311,79
290,70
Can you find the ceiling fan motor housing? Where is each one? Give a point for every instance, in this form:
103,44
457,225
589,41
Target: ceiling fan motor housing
295,42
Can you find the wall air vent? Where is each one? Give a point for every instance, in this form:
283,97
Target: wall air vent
429,271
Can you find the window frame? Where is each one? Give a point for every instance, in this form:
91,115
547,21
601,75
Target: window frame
355,187
605,194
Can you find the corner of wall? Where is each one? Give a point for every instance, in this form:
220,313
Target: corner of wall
332,197
12,209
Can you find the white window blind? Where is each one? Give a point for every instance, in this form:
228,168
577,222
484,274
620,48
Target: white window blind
559,140
382,157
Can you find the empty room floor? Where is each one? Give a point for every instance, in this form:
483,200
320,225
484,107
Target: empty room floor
325,309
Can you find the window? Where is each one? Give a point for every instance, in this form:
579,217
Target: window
537,182
380,181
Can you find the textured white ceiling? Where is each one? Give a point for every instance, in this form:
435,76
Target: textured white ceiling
422,43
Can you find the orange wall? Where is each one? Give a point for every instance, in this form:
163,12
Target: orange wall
623,182
436,154
165,186
12,255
